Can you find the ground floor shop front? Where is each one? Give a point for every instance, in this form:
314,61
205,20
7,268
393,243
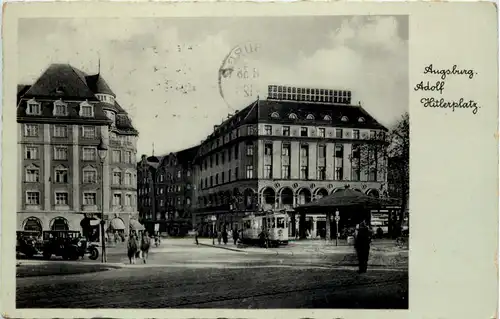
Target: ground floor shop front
117,225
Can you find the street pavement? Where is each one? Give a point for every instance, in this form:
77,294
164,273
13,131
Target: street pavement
182,274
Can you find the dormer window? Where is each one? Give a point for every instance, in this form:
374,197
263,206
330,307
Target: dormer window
60,108
275,115
33,108
310,117
292,116
361,120
327,118
344,118
86,109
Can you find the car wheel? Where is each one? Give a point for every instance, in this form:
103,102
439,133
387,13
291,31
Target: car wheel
93,253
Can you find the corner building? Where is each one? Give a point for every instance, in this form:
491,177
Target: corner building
298,145
62,118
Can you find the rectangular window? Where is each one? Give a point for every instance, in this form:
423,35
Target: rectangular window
303,131
321,173
236,173
60,131
321,151
117,199
321,132
268,130
31,152
355,134
211,181
128,200
356,172
236,151
89,154
61,198
223,177
179,174
285,171
268,149
87,110
32,175
338,133
60,153
117,178
339,175
249,171
31,130
128,180
229,175
268,171
304,151
89,131
61,176
304,172
89,199
128,157
33,108
89,176
339,151
178,200
60,110
223,157
249,149
372,176
116,156
286,130
216,159
285,150
216,179
33,198
372,135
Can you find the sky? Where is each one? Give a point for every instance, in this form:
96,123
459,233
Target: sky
166,71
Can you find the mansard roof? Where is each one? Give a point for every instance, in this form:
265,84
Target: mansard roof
330,114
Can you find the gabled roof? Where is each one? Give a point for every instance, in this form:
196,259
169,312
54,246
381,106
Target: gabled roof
61,80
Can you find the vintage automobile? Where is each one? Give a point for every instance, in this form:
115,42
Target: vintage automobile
68,245
28,243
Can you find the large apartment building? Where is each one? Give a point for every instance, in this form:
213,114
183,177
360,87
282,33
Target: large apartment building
298,145
62,118
165,189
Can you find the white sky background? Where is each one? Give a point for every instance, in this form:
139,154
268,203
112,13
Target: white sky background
165,71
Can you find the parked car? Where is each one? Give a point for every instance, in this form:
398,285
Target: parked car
68,245
28,243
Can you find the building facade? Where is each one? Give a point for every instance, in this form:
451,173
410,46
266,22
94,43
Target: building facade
62,118
298,145
166,192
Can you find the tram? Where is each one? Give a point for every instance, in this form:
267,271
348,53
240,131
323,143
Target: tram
275,223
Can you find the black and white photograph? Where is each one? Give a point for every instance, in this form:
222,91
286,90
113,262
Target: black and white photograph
213,162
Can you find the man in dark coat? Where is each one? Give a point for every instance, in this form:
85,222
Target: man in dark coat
362,246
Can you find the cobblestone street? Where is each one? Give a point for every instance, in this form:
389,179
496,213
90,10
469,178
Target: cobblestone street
181,274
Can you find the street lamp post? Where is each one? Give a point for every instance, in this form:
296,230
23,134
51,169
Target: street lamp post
102,151
154,163
337,218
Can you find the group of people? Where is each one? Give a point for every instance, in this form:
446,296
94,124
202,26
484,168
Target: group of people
222,236
138,248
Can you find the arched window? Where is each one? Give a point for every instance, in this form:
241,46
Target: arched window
344,118
361,120
310,117
59,223
292,116
327,118
32,224
275,115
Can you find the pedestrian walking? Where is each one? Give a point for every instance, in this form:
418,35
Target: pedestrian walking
145,244
235,236
224,236
219,236
196,234
362,246
132,248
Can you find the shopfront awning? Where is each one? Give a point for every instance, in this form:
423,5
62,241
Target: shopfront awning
135,225
117,224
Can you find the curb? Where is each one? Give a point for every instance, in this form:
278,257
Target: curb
223,247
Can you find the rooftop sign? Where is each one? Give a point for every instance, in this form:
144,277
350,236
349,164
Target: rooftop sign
287,93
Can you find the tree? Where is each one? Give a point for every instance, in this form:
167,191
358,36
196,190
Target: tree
389,155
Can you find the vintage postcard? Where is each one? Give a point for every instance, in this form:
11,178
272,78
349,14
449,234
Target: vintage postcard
248,160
